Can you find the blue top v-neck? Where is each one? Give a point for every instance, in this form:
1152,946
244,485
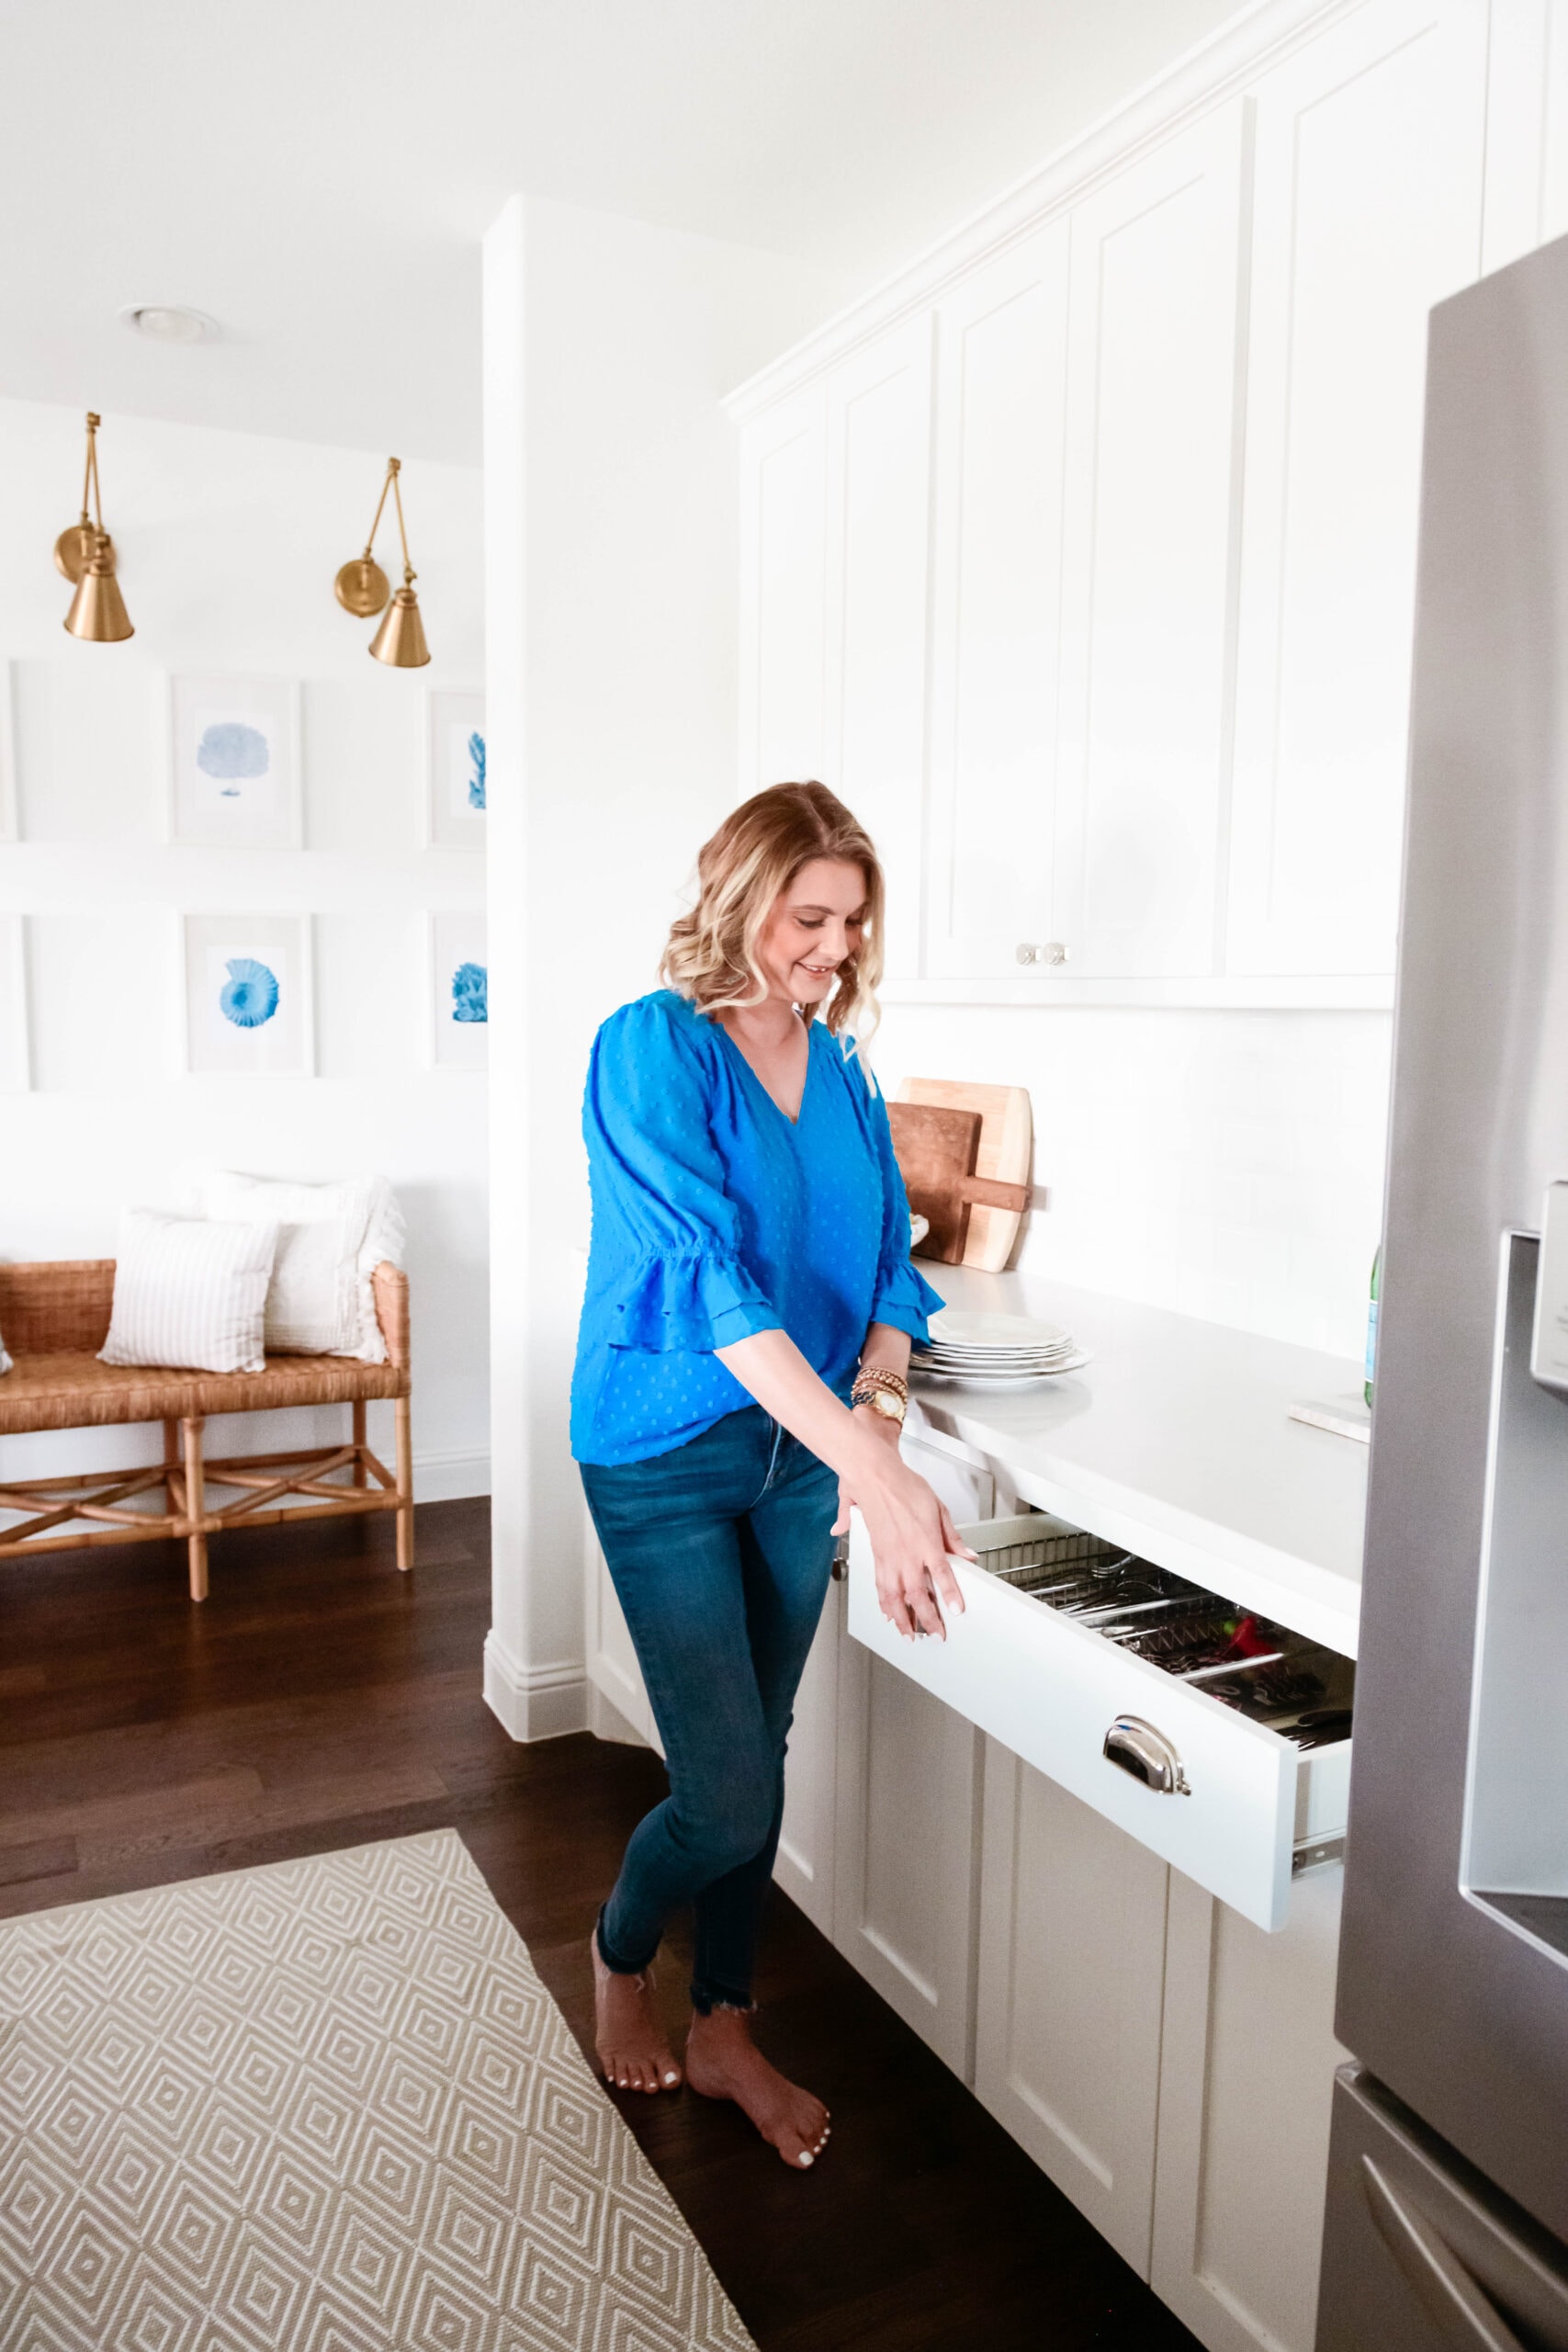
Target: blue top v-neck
716,1216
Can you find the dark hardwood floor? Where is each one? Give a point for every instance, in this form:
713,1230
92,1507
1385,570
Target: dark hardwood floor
319,1700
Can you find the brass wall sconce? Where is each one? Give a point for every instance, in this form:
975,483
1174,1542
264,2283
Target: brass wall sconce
362,588
84,554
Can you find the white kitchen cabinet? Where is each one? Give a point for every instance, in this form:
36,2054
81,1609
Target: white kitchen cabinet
1147,541
906,1864
805,1864
1247,2077
783,585
1001,421
1166,566
1071,1967
907,1845
879,407
1368,170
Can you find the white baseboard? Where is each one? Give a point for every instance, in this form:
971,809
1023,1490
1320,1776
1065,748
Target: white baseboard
536,1702
447,1474
605,1720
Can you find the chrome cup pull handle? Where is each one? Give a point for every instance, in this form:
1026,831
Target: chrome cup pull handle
1146,1753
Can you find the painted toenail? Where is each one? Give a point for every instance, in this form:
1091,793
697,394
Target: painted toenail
671,2076
805,2155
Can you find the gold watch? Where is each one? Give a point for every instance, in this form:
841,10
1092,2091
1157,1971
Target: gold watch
882,1401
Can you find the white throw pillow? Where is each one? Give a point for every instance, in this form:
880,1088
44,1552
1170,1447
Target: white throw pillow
189,1291
330,1237
5,1359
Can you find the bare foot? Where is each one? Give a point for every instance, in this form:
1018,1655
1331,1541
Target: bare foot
633,2049
722,2062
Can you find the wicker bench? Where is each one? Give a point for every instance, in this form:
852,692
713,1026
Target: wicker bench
55,1317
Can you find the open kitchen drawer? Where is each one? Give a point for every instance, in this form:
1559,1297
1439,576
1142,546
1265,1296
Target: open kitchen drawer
1217,1739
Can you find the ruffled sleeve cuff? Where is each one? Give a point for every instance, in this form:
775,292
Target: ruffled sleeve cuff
905,1299
692,1302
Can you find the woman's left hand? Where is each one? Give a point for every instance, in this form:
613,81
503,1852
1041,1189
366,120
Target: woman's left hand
890,1431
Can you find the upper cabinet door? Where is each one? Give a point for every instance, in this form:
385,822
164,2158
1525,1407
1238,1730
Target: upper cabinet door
879,422
1148,539
1001,395
783,576
1367,209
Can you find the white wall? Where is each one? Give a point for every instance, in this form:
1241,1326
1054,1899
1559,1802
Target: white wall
1228,1165
228,544
611,542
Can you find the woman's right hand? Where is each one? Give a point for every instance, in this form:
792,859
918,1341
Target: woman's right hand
911,1535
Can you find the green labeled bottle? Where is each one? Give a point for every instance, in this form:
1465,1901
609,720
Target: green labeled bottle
1372,1327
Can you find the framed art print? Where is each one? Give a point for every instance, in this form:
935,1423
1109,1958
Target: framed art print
459,991
247,995
16,1063
455,771
233,762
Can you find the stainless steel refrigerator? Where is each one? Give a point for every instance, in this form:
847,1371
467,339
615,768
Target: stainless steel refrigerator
1448,2207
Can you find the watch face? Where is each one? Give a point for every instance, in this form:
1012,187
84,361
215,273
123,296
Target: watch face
889,1407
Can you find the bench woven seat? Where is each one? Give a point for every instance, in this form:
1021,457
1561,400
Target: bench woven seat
55,1317
72,1392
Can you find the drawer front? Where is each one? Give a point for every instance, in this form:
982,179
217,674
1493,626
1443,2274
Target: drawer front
1050,1689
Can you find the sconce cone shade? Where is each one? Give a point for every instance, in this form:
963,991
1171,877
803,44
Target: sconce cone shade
399,640
98,609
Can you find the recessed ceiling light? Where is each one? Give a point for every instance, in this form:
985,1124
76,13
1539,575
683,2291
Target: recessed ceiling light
168,323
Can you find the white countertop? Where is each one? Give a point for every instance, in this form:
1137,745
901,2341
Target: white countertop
1176,1441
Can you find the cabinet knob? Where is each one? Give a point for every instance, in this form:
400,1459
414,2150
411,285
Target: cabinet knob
1050,951
1146,1753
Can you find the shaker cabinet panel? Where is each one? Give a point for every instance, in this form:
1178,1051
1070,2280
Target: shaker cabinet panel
805,1864
1246,2083
1367,211
1072,1943
907,1852
1151,483
1002,391
783,471
879,409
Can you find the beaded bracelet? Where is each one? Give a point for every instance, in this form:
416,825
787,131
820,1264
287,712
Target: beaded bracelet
870,1378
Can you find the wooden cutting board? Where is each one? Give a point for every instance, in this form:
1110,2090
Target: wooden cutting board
1006,1148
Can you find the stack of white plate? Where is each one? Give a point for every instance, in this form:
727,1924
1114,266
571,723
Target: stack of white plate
987,1351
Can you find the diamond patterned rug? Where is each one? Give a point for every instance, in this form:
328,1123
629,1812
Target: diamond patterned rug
326,2106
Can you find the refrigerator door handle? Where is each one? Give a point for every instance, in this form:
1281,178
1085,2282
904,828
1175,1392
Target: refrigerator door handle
1467,2316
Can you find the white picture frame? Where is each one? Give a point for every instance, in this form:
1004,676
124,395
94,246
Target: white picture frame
15,1058
10,827
232,765
457,1016
453,770
247,995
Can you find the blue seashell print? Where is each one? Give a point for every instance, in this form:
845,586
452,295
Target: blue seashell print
230,749
470,993
476,773
249,997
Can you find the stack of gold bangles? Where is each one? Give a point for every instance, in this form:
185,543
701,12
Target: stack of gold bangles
886,1391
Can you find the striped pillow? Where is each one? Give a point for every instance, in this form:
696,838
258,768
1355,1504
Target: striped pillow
190,1293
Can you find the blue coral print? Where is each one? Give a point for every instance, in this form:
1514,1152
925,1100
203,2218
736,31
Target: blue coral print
249,997
231,753
477,770
470,993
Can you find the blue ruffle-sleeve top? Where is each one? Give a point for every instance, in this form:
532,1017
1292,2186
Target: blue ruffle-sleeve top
715,1216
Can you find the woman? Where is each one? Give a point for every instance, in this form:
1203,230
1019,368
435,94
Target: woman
739,1382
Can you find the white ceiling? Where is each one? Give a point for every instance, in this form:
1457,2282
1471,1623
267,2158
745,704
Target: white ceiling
317,173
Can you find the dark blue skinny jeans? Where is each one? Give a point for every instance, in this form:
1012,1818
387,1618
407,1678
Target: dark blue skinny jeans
720,1551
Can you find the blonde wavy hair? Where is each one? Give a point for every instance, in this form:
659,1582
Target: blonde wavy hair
711,954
